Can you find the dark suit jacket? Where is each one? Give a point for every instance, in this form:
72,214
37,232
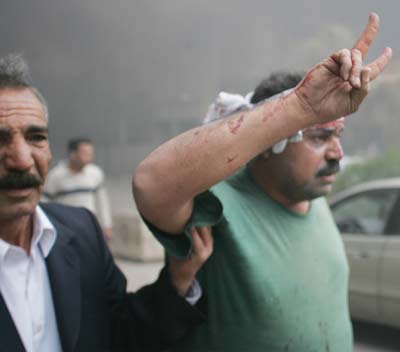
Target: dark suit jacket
94,313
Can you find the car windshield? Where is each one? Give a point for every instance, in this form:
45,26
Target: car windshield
366,212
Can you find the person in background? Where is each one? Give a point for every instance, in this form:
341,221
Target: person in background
79,182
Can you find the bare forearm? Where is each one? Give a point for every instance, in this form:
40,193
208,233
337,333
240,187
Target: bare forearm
192,162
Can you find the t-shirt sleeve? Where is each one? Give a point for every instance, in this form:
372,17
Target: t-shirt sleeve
207,211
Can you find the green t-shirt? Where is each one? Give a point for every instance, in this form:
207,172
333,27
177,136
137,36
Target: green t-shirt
277,280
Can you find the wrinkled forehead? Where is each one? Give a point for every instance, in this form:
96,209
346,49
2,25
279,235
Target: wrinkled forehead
337,125
20,103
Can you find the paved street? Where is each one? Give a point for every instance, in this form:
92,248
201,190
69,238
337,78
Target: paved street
369,338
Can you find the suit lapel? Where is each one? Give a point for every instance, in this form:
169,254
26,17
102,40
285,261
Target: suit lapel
64,274
10,340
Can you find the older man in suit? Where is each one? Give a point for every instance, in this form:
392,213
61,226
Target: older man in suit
59,287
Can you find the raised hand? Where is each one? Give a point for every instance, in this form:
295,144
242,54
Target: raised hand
337,86
183,271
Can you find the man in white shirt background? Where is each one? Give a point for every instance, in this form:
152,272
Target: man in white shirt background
79,182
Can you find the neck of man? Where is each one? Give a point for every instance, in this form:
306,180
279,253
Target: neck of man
18,232
74,166
269,185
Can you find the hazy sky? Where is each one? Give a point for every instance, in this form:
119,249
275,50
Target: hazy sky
132,73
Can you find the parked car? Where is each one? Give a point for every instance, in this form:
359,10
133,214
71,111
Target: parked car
368,216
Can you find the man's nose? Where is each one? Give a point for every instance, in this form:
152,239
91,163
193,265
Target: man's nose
18,155
335,150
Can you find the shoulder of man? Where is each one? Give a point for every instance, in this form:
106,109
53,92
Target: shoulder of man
58,169
95,170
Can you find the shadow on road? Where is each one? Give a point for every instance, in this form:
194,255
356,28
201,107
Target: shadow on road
380,337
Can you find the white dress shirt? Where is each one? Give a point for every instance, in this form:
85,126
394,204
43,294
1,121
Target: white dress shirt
25,287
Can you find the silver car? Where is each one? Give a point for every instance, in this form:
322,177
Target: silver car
368,216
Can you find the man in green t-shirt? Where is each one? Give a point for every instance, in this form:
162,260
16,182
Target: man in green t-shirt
277,280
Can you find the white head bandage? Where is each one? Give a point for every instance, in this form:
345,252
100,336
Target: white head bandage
227,104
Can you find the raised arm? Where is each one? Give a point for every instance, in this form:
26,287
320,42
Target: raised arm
167,181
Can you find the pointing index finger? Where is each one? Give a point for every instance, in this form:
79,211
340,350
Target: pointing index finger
368,35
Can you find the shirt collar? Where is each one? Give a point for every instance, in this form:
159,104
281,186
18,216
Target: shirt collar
4,246
44,235
44,232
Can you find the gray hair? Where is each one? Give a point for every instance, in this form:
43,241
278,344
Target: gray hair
14,73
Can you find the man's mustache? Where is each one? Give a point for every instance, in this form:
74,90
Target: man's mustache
19,180
331,168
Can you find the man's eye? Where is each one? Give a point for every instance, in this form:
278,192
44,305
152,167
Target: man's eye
322,138
37,137
319,138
